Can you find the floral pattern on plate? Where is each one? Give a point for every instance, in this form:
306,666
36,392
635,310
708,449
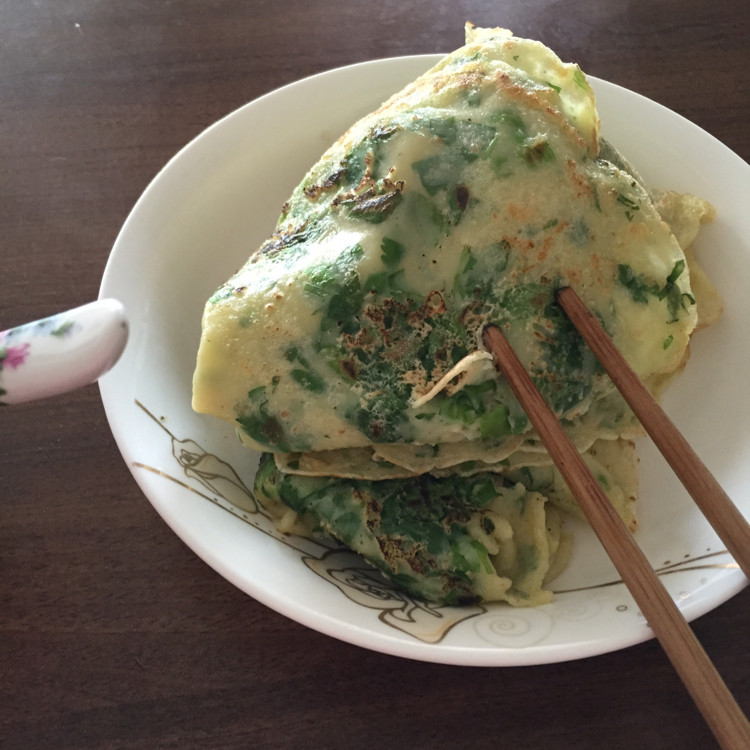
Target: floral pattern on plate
215,480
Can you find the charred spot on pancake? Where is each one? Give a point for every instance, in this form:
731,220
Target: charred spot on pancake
462,197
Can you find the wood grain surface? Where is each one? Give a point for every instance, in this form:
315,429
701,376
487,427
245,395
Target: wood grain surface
113,634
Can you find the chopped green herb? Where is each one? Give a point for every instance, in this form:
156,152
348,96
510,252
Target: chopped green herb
640,287
467,260
495,422
440,172
636,284
580,79
309,380
675,273
393,252
528,559
676,299
535,151
261,425
513,123
525,300
473,138
579,232
603,481
292,354
629,204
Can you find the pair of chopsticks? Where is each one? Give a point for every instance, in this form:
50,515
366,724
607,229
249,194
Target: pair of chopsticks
709,692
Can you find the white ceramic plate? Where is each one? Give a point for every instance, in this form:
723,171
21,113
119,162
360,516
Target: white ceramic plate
218,199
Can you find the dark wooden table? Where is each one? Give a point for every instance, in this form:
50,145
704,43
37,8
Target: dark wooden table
112,633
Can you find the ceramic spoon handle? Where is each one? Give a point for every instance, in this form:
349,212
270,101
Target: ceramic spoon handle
62,352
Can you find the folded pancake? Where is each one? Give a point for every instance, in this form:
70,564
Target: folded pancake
350,343
456,540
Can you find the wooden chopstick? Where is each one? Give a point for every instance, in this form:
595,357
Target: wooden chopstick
707,493
711,695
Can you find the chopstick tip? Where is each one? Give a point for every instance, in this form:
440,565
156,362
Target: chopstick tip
561,290
487,333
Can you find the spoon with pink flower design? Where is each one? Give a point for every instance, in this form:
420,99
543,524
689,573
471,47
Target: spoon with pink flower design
62,352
